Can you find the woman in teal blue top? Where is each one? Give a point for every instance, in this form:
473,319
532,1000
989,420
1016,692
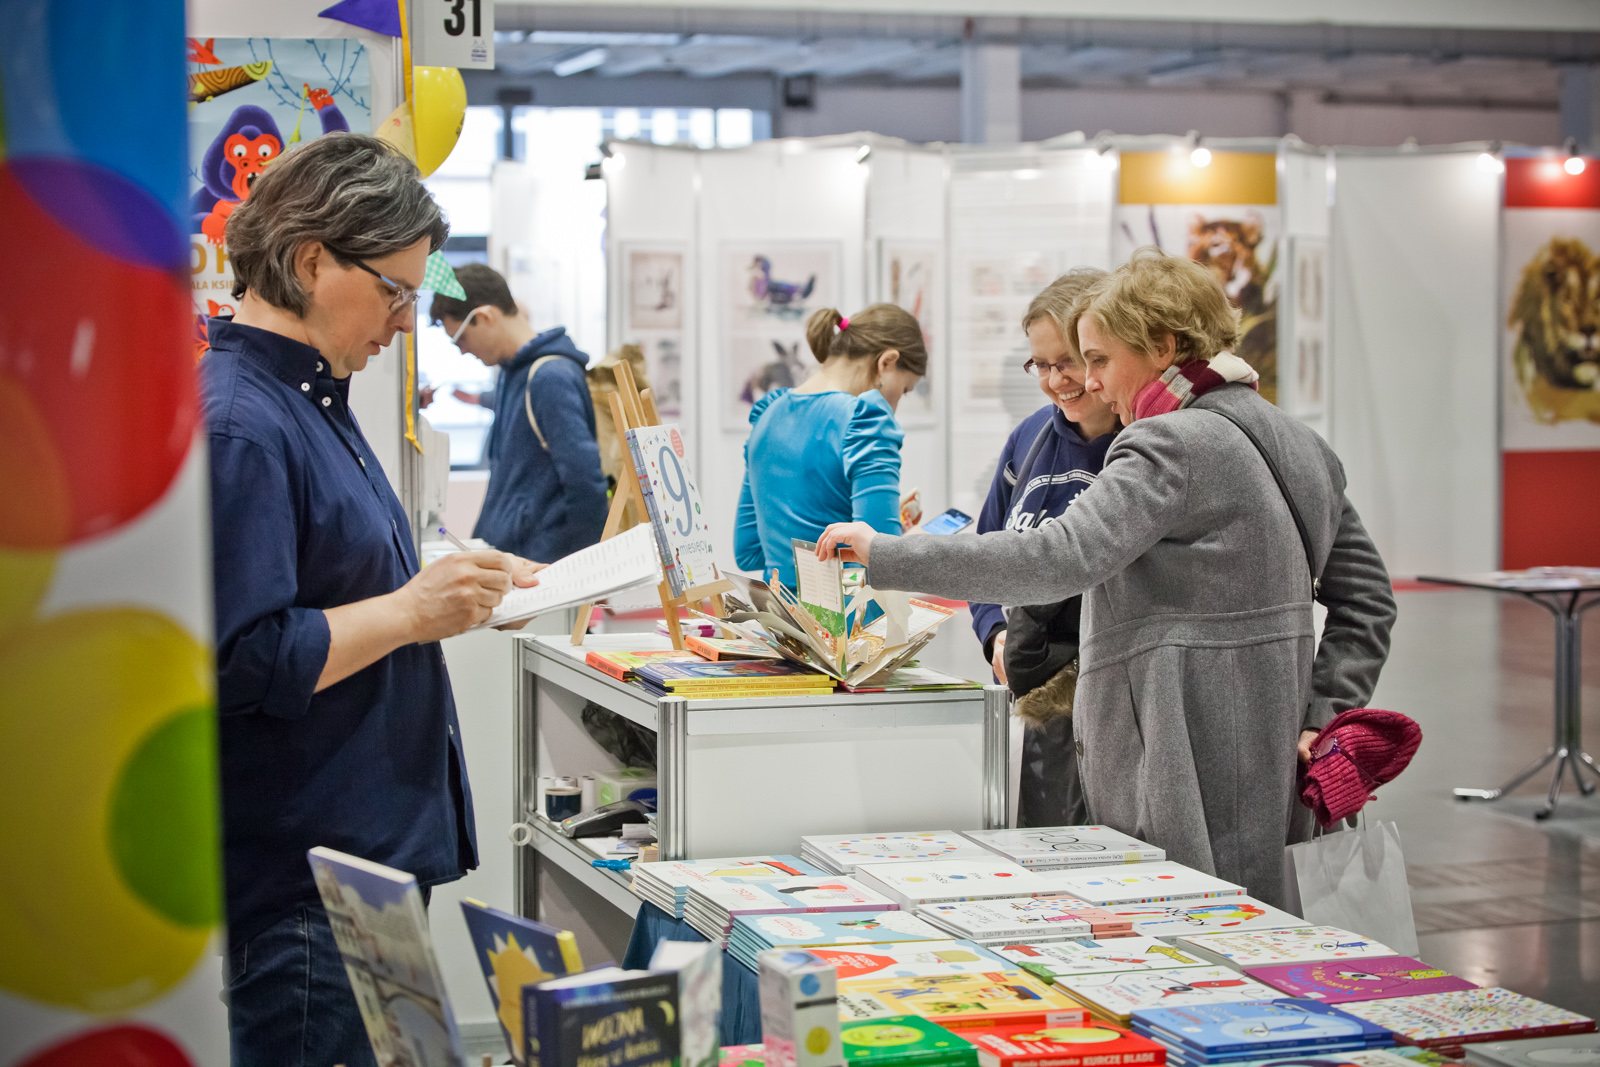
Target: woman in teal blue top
828,450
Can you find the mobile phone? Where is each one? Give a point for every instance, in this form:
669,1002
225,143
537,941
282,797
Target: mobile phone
950,521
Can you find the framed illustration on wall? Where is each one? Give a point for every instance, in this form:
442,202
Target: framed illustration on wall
1308,326
655,288
909,278
767,291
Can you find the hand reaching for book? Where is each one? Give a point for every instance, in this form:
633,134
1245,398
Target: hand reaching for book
522,576
849,541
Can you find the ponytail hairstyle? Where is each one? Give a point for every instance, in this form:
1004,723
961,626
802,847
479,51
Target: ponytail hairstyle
868,334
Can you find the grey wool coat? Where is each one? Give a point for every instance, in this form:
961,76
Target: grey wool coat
1199,665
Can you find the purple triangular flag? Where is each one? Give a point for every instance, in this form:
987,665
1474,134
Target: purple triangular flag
379,16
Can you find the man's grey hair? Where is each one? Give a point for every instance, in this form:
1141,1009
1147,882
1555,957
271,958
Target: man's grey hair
354,193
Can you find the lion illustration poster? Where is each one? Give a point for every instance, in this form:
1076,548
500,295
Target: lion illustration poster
1550,286
768,291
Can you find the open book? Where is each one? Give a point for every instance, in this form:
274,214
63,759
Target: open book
625,561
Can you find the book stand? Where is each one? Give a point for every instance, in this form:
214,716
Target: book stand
630,410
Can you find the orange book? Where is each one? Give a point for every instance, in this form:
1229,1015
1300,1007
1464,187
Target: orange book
620,665
722,648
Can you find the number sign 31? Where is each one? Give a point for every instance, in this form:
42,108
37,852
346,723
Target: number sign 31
452,33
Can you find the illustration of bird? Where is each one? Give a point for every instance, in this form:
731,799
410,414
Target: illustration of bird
202,53
785,299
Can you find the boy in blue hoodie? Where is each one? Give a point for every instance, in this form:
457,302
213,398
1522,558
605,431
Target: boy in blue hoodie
547,495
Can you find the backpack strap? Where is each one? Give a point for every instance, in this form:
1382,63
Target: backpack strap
527,400
1283,487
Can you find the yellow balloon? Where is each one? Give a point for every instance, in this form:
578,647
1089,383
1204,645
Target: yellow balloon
24,580
439,107
84,695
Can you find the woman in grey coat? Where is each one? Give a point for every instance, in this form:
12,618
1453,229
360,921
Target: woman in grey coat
1200,677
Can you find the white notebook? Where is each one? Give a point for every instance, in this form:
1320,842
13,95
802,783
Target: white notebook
1165,880
623,562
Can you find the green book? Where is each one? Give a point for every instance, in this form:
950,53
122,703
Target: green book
904,1041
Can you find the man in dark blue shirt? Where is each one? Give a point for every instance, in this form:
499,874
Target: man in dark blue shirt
338,726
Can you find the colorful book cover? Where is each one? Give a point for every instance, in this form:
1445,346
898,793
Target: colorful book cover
1337,981
808,931
1469,1015
666,883
961,1001
1010,917
514,952
752,674
784,894
936,881
846,852
621,665
381,927
1164,880
911,960
1368,1057
819,587
1094,1045
699,969
1258,948
904,1041
1256,1026
677,512
1121,993
1066,846
742,1056
611,1016
1175,918
1059,959
1572,1050
717,649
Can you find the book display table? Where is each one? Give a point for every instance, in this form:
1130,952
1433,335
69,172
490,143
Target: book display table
1566,593
750,776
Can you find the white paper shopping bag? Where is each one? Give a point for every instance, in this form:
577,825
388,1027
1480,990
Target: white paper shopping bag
1355,880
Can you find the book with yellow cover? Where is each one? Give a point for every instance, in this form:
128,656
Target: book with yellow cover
621,665
962,1001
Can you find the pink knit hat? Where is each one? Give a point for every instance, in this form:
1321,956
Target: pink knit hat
1358,751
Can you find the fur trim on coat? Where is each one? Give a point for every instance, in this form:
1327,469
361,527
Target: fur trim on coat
1051,701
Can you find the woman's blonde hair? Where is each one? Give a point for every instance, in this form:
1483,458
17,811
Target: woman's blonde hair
871,332
1155,295
1056,301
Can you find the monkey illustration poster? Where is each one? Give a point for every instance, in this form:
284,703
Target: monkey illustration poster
1550,286
252,99
767,292
1224,215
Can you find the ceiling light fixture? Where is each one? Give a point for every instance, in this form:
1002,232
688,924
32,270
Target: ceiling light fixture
1199,154
1574,163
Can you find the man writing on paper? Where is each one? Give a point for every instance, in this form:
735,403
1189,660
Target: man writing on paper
337,725
547,495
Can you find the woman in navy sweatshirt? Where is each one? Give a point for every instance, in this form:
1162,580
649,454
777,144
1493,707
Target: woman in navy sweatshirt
1055,454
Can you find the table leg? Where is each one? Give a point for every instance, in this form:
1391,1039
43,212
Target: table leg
672,793
525,782
996,757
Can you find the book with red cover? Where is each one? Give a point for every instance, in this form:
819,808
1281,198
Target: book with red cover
621,665
1093,1045
1340,981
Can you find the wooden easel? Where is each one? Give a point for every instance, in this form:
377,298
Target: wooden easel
630,410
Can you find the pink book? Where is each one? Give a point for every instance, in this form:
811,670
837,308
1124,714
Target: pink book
1341,981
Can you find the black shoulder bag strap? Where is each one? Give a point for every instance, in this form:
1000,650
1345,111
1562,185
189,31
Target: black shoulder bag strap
1283,487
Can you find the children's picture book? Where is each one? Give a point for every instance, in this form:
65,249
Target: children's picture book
741,1056
916,882
904,1041
843,854
676,512
699,968
912,680
787,894
741,677
1257,948
1013,918
621,665
1059,847
717,649
1264,1026
1450,1019
1176,918
854,928
910,960
1118,994
961,1001
1376,978
1094,1045
819,587
514,952
1164,880
609,1015
666,883
1060,959
381,927
1573,1050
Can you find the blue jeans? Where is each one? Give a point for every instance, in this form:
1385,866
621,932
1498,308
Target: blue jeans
289,1001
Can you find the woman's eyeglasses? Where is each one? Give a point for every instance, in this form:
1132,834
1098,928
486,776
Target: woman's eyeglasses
1044,370
404,295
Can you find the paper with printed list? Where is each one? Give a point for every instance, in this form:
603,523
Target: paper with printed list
625,561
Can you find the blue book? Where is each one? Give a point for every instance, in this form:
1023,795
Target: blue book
1256,1026
1320,1056
607,1016
514,952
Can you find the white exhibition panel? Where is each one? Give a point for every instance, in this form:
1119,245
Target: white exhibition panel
1415,324
1305,196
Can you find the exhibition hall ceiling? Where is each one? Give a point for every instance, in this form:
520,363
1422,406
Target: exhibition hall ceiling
1346,63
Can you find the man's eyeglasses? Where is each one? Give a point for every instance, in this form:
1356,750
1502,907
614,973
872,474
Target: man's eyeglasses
1044,370
404,295
455,338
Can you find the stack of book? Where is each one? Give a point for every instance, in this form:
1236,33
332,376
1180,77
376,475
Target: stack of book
1573,1050
1064,959
1447,1021
909,959
1138,884
740,678
711,907
1063,1046
917,882
904,1041
752,934
715,649
1182,917
1021,920
1258,948
1113,996
962,1001
621,665
841,855
666,884
1340,981
1060,847
1255,1030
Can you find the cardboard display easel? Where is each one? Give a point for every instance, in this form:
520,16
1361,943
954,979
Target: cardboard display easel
630,410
